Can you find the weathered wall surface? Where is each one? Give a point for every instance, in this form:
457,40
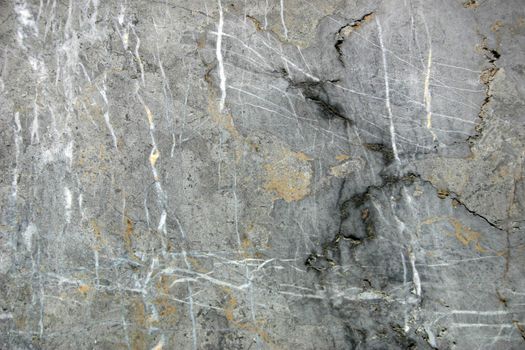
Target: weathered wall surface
262,174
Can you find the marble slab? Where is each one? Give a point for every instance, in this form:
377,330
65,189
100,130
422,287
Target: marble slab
262,174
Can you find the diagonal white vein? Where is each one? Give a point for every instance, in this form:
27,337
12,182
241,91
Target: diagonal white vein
387,94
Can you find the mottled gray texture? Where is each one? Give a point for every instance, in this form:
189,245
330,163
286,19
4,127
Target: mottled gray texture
262,174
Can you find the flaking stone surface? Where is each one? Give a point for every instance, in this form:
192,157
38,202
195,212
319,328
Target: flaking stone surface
262,174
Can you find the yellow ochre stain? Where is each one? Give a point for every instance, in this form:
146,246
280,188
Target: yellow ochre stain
84,288
221,119
99,239
466,235
231,305
96,230
154,156
224,120
149,115
166,309
344,168
159,346
301,156
288,177
342,157
137,314
246,243
197,265
496,26
248,247
128,233
347,30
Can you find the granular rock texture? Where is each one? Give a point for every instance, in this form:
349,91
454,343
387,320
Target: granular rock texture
262,174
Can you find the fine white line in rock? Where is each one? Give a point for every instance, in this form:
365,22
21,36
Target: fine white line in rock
476,325
190,299
474,312
68,198
110,128
97,280
218,52
126,332
106,113
18,140
282,20
162,222
387,94
415,274
137,56
266,15
34,125
406,327
427,95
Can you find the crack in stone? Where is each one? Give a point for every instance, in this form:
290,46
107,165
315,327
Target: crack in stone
386,152
315,91
471,4
486,77
345,31
459,202
520,328
360,199
356,201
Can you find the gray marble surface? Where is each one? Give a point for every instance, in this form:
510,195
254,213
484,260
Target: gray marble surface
262,174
